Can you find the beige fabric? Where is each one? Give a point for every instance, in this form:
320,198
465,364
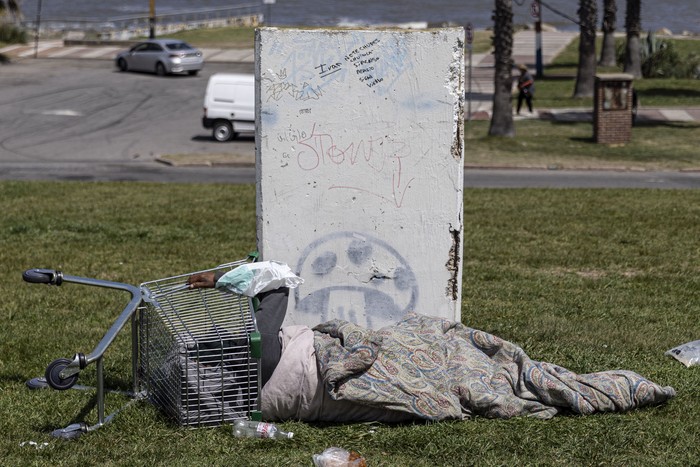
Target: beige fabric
295,392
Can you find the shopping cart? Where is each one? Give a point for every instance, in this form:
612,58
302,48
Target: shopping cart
195,352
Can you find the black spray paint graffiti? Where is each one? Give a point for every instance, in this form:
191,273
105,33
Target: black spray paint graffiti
356,277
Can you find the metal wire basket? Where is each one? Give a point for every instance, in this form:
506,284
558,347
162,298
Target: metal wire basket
199,352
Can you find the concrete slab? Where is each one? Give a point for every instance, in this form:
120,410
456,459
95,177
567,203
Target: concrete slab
42,47
10,48
66,51
676,115
234,55
101,52
210,53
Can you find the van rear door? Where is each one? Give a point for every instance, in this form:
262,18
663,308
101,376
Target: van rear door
234,99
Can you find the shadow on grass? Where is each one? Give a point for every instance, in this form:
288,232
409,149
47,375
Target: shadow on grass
582,139
566,64
647,122
643,121
560,76
670,93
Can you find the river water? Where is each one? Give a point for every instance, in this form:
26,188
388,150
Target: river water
676,15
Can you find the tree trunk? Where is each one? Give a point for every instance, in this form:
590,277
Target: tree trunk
12,8
633,27
585,77
607,54
502,116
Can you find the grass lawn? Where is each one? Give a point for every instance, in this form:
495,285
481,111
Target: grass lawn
548,144
570,145
244,37
555,88
233,37
589,279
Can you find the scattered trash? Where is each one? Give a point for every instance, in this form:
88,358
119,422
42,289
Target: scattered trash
339,457
253,429
33,443
688,354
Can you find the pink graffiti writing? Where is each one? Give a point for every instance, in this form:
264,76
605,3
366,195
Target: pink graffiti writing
380,154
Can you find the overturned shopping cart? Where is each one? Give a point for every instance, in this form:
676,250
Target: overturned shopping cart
195,352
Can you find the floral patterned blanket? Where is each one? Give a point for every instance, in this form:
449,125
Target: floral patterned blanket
438,369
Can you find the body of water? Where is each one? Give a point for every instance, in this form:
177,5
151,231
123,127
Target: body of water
676,15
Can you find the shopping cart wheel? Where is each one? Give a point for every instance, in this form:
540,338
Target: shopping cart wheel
53,374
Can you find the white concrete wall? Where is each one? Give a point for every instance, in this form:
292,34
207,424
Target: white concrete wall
360,170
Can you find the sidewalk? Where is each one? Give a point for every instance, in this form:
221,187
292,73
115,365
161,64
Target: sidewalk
58,49
479,86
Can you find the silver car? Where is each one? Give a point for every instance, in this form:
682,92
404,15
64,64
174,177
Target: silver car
161,56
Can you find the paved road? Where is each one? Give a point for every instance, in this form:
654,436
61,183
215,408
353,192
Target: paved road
87,111
76,119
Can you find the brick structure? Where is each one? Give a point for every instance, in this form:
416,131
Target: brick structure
612,108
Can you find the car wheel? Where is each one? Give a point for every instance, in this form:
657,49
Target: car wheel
222,131
193,72
160,69
123,66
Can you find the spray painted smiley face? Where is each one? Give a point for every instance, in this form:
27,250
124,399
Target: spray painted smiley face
356,277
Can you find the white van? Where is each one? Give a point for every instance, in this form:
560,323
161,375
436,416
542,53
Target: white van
229,105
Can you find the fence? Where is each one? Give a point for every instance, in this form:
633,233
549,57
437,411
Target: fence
127,27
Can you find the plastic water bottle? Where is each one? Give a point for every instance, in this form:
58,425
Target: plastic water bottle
252,429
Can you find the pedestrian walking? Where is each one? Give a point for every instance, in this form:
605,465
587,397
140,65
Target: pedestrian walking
526,88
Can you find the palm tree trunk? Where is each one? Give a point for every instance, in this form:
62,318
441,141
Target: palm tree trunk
502,117
13,7
585,77
633,27
607,54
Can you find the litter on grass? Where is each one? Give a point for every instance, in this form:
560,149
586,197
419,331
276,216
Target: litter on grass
33,443
688,354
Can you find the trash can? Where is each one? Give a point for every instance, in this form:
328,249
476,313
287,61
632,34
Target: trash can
612,108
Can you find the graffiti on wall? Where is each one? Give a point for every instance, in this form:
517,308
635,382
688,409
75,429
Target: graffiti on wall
359,178
355,277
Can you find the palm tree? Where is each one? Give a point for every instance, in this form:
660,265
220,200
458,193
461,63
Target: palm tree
607,53
585,77
633,27
13,8
502,117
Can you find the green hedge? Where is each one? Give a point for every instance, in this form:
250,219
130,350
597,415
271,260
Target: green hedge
11,34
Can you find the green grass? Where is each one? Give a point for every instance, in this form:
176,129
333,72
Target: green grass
556,87
482,41
232,37
544,143
589,279
244,37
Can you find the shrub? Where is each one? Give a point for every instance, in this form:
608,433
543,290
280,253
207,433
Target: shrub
11,34
661,60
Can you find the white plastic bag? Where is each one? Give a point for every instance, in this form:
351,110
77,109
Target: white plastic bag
338,457
688,354
253,278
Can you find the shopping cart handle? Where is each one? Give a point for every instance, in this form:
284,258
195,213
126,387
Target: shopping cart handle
43,276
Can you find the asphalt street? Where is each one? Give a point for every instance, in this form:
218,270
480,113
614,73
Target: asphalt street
73,119
87,111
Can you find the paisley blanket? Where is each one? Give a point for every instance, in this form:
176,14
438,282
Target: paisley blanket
437,369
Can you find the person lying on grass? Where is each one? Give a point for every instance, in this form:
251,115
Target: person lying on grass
421,368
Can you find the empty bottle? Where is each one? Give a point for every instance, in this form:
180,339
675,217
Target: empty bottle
252,429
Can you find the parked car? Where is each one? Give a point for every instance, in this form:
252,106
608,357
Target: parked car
161,56
229,105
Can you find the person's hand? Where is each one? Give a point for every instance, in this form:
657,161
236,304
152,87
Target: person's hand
202,280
